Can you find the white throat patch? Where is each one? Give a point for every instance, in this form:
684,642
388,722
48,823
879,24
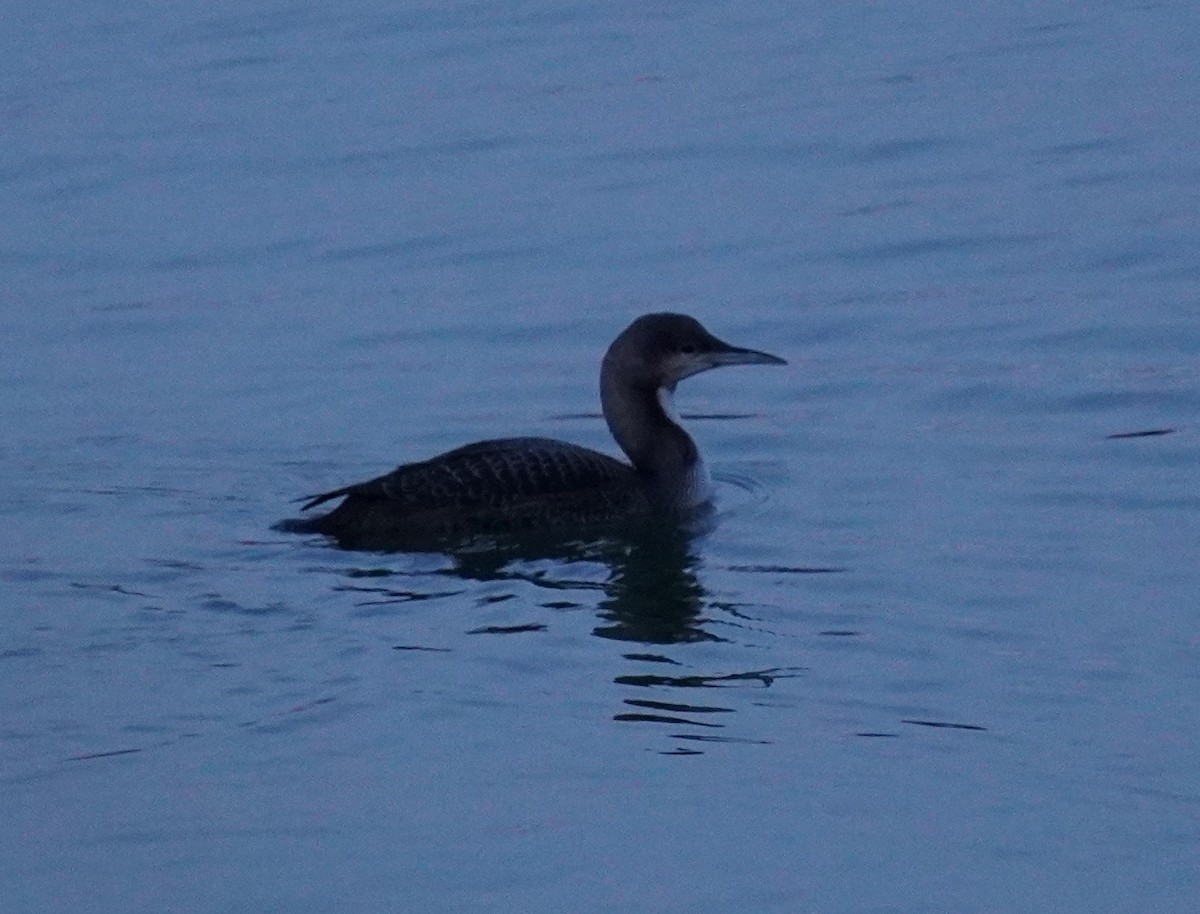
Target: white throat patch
666,399
696,488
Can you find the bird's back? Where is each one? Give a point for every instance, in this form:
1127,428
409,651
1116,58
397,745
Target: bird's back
503,486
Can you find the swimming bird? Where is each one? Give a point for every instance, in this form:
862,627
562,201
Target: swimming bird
532,485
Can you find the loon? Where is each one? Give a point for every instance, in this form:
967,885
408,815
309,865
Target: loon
536,485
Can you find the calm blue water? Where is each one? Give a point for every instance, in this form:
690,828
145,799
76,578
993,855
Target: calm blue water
939,653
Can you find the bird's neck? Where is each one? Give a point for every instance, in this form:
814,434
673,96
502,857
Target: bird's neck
644,423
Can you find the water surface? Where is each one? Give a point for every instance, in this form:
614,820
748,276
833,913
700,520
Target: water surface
939,651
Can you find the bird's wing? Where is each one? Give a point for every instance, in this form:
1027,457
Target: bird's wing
490,474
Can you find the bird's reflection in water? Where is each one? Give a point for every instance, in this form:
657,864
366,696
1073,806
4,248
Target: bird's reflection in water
653,594
650,593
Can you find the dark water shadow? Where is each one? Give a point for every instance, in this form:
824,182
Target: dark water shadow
653,594
648,591
1143,433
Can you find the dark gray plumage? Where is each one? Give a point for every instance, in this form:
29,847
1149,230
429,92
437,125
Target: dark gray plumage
524,485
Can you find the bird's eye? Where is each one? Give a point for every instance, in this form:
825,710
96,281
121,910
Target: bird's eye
688,349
